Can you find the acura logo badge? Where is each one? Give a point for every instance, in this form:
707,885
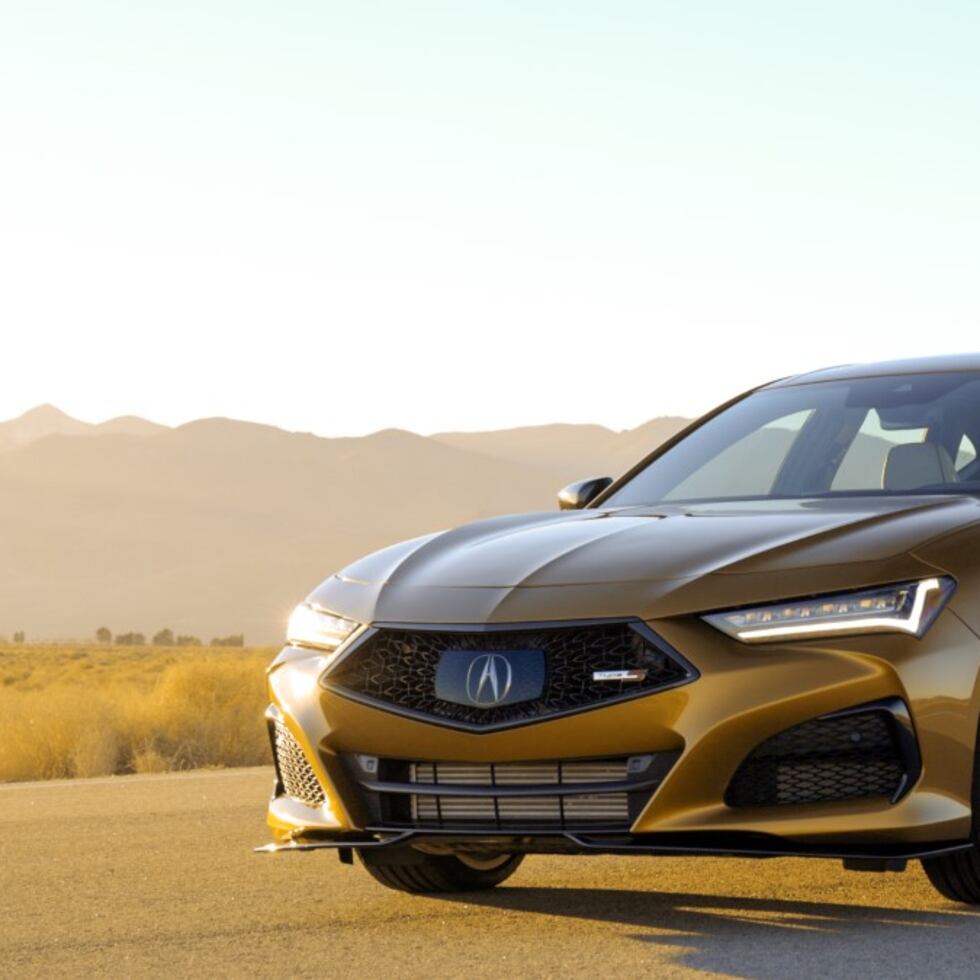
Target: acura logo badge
489,679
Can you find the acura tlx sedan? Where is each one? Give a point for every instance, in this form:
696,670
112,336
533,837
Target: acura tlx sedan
761,641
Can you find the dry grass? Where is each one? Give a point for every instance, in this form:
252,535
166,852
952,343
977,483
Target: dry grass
70,710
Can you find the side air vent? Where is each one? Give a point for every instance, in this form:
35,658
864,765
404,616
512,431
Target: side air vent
847,756
296,775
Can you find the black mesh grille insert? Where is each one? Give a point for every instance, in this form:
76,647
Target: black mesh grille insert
295,773
398,667
847,757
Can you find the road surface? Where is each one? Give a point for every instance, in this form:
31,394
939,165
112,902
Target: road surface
154,875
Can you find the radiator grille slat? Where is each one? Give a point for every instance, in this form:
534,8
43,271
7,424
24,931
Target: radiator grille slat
594,808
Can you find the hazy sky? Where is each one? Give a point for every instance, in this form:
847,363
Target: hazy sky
338,216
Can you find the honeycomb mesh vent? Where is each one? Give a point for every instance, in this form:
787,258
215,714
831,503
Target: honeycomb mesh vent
295,773
398,667
848,757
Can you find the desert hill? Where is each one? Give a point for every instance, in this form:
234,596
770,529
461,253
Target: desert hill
565,447
46,420
220,526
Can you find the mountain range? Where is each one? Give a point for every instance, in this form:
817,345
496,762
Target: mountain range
221,526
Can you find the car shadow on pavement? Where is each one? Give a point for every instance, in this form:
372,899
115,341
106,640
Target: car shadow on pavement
766,938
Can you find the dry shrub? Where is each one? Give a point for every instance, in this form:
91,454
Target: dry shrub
148,759
41,731
96,752
206,714
204,710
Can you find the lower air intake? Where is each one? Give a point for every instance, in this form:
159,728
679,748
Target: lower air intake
540,797
296,775
602,808
844,757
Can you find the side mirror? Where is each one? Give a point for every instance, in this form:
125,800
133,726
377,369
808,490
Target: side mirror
578,495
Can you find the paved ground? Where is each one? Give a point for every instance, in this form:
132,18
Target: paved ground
154,875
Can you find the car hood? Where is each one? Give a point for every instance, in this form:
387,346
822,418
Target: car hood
647,552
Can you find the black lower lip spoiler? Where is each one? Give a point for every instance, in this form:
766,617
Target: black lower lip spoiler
347,841
663,845
720,847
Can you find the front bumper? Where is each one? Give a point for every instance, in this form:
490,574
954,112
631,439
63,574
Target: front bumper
744,696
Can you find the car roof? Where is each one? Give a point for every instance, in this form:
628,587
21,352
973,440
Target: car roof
918,365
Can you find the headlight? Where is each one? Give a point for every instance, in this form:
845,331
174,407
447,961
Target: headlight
907,608
317,628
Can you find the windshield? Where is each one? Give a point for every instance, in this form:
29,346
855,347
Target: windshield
896,434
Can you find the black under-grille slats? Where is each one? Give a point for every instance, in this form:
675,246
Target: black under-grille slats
502,811
844,757
559,795
398,667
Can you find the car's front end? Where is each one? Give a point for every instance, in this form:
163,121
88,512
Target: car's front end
789,674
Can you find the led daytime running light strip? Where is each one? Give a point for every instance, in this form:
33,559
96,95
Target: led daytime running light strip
910,625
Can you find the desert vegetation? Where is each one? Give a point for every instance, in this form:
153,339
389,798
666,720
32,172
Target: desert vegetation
95,710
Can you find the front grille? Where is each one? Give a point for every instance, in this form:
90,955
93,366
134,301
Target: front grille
296,775
606,794
843,757
604,808
397,667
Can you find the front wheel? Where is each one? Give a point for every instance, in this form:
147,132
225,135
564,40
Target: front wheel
420,873
956,876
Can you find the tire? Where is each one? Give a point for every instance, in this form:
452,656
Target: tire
418,873
957,876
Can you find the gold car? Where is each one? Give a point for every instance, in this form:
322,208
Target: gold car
762,640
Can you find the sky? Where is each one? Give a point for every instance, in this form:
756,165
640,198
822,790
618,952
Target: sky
339,217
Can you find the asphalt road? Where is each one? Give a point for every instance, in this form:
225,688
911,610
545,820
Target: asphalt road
154,875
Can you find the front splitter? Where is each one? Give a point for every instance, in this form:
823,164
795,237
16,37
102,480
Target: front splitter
704,845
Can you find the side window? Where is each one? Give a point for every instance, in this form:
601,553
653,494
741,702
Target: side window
966,454
747,468
863,465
